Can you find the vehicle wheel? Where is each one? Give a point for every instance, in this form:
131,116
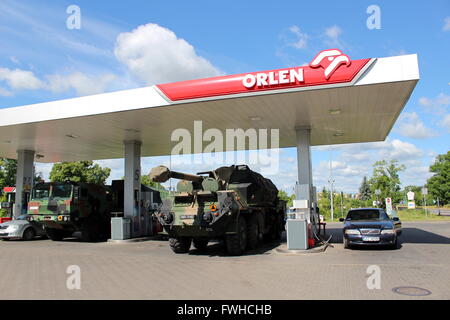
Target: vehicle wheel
200,244
89,231
237,243
346,245
28,234
396,244
278,228
252,232
180,245
55,234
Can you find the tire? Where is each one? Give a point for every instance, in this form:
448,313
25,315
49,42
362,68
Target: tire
55,234
395,245
200,244
180,245
28,234
276,231
346,245
278,228
237,243
90,231
252,232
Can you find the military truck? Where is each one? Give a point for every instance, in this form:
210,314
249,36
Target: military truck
234,204
67,207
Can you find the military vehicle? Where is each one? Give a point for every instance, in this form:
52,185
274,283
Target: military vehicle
234,204
68,207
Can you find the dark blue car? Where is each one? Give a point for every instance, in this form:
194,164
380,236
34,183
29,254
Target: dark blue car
369,227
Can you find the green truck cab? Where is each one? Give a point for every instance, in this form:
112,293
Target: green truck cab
67,207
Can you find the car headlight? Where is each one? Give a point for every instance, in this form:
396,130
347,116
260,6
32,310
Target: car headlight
352,231
388,231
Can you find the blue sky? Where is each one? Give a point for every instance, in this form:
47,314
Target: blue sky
42,60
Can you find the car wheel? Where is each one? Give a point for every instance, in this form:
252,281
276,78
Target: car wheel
346,244
396,244
28,234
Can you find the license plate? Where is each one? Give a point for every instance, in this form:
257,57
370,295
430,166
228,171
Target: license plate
371,239
187,217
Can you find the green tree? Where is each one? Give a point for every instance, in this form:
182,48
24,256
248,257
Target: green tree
386,178
146,181
8,171
283,195
439,183
364,190
79,171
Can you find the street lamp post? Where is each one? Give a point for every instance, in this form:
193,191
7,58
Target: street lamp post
331,181
424,193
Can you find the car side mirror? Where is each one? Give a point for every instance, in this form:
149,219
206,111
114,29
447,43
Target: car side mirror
341,219
396,219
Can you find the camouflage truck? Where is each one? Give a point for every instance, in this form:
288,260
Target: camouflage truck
67,207
234,204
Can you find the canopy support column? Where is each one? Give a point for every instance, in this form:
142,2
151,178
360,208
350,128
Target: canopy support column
304,188
132,185
24,180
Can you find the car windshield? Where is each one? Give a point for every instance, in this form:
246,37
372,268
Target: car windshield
367,215
61,191
41,191
22,217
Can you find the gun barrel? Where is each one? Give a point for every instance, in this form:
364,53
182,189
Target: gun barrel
162,174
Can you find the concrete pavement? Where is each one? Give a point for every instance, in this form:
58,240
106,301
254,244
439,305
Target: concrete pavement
149,270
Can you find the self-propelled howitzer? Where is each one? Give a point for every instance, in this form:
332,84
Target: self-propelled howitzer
231,203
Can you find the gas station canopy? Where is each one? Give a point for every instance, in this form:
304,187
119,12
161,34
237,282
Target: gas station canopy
339,100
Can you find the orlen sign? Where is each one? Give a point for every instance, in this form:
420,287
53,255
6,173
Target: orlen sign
273,78
328,67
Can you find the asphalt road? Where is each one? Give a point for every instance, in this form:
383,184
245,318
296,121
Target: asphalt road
442,211
149,270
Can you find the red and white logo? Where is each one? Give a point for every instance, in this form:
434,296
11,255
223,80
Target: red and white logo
330,60
337,68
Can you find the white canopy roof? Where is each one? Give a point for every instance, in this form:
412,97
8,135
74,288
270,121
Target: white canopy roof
94,127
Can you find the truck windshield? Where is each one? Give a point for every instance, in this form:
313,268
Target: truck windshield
45,191
61,191
41,191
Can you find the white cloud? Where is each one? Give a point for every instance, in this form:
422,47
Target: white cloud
5,93
156,55
301,38
445,122
83,84
446,26
332,35
410,125
20,79
437,105
14,60
351,162
80,82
